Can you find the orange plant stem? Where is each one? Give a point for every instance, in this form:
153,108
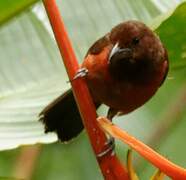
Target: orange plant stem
170,169
111,167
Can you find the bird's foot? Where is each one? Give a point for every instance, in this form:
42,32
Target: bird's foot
109,147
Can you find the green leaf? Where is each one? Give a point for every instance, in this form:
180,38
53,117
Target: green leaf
172,33
32,75
10,8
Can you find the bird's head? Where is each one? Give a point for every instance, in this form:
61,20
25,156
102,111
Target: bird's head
137,53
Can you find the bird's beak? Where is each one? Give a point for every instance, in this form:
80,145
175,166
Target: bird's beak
122,53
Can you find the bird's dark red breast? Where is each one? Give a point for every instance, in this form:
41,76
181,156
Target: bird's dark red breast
125,69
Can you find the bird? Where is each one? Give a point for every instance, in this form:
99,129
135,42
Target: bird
123,70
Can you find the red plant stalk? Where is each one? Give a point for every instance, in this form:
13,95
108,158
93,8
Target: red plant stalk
167,167
111,167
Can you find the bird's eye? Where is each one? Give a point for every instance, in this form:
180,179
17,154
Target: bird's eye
135,41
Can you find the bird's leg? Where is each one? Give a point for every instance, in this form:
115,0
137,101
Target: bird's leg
110,144
111,113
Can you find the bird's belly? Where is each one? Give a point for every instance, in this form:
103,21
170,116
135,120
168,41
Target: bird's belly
122,97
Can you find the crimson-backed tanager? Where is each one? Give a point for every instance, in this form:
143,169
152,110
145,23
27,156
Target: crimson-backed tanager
124,70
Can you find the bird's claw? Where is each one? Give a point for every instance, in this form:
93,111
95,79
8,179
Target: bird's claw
81,73
109,147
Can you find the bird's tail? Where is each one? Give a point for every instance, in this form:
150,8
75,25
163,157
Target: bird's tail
62,116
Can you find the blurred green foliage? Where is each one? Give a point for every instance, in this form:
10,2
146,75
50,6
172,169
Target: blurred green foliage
11,8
